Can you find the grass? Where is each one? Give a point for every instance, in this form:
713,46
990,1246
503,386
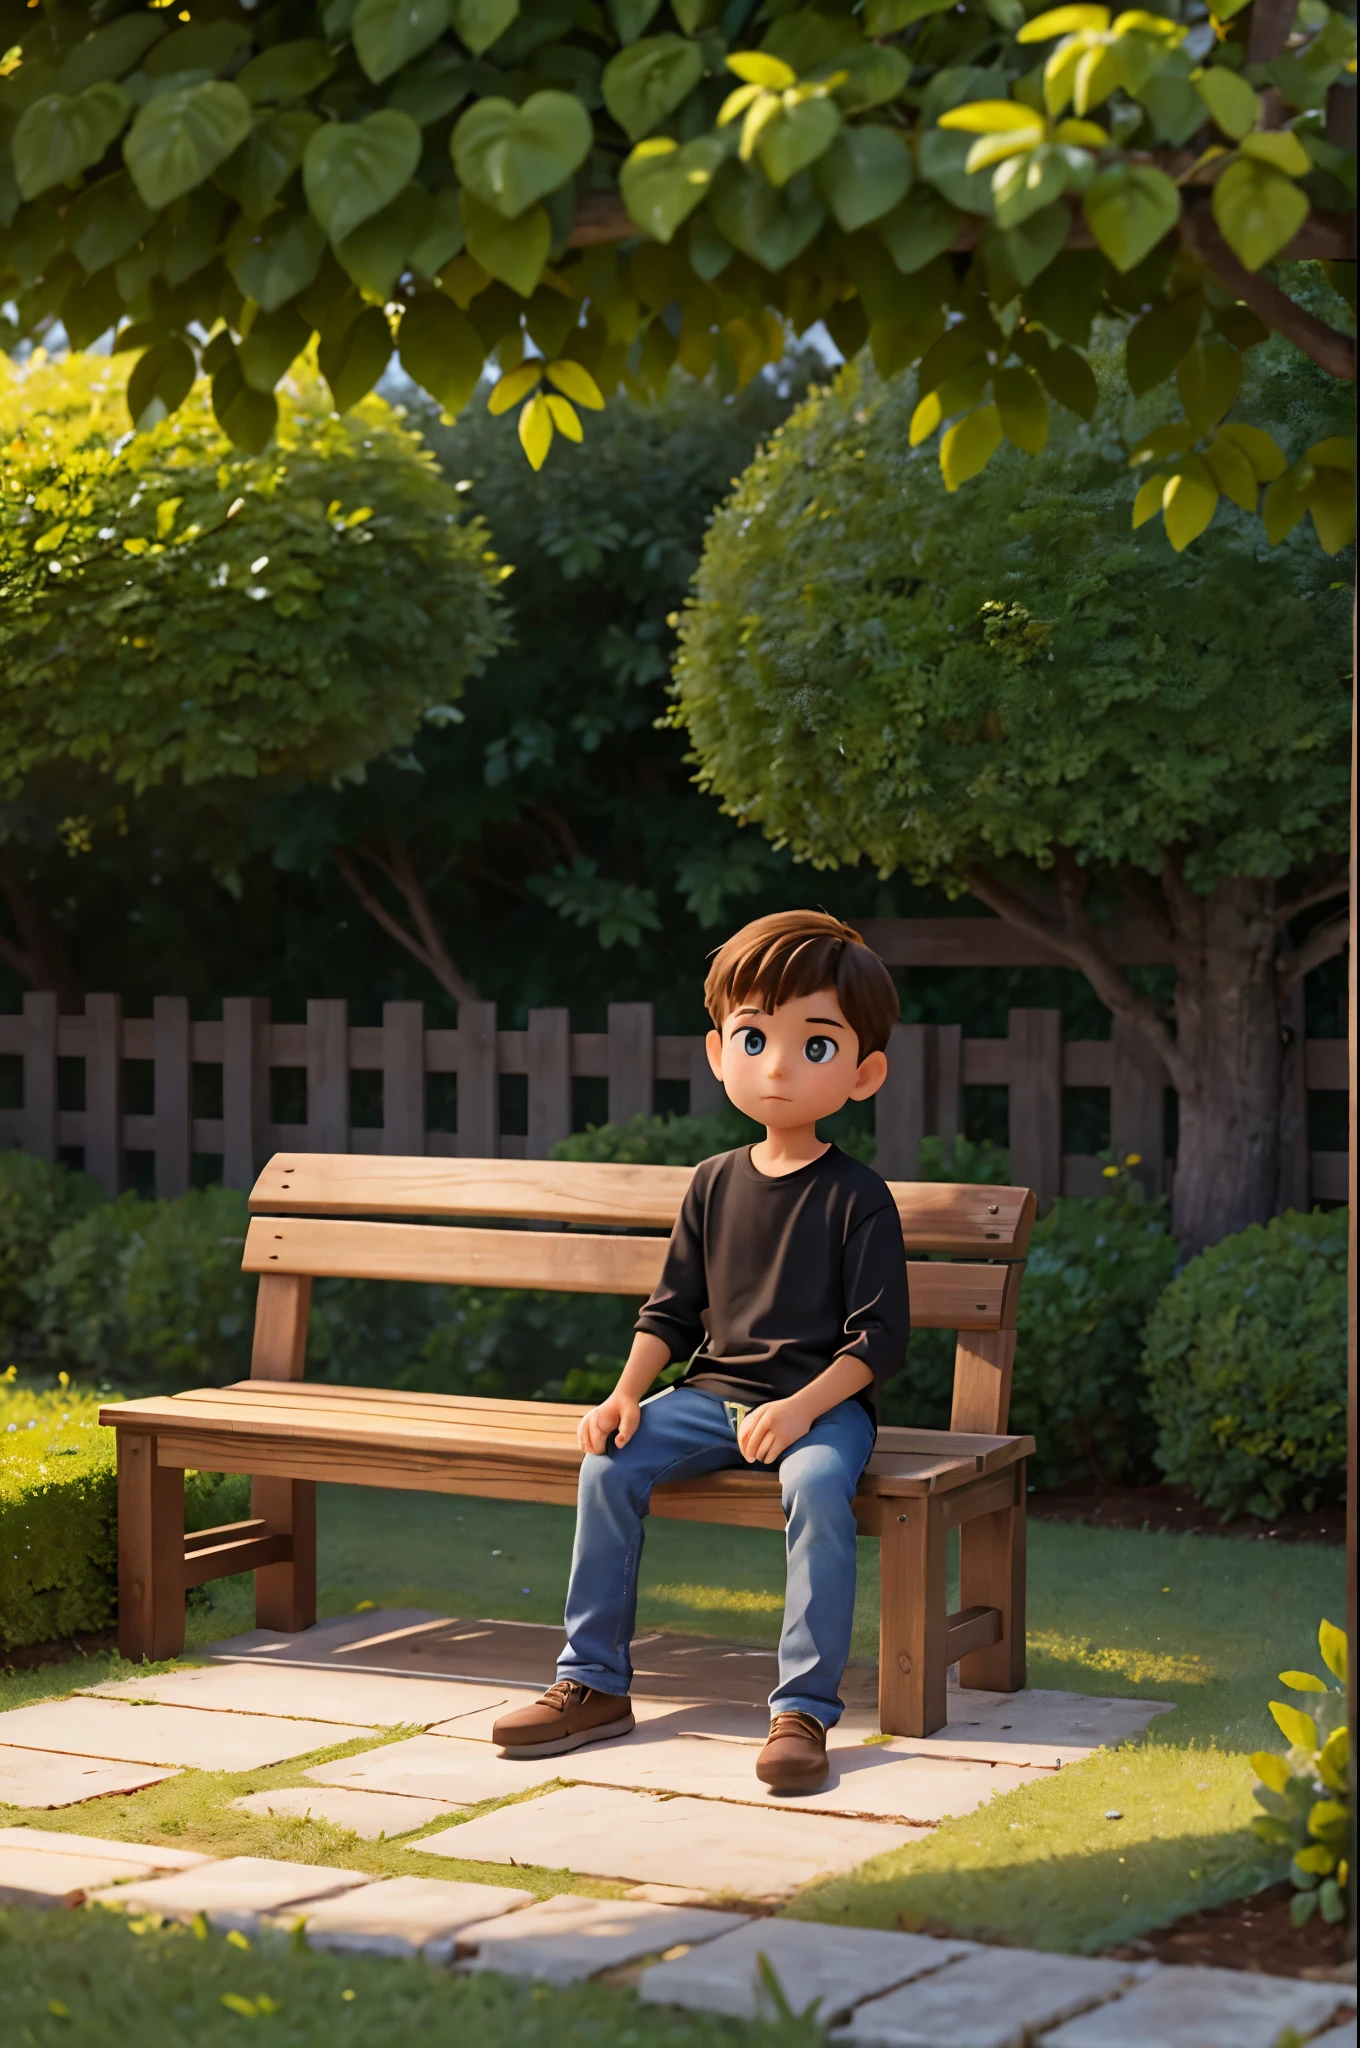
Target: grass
1205,1623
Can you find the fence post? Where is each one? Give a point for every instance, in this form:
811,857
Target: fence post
549,1081
948,1107
1036,1101
245,1088
104,1091
328,1075
632,1058
174,1096
705,1089
1137,1090
900,1105
403,1072
1294,1189
40,1074
479,1119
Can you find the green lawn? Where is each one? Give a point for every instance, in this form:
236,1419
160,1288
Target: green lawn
1203,1622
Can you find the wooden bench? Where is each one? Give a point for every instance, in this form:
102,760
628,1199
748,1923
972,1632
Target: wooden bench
316,1214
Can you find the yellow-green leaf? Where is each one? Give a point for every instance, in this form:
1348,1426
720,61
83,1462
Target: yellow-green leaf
1234,106
1336,452
1148,502
564,416
1317,1860
1281,149
737,102
925,419
1161,442
536,430
1331,1639
1232,472
1334,1760
1064,21
1297,1728
1282,507
53,537
577,383
757,67
969,445
1023,409
1326,1816
1208,378
992,117
1081,134
1258,211
1271,1769
1331,500
1129,208
1302,1681
1267,460
165,517
513,386
1188,502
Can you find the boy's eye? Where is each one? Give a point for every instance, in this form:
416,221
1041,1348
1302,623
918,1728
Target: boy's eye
752,1041
819,1051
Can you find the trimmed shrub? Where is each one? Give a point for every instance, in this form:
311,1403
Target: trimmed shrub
59,1514
37,1201
1246,1368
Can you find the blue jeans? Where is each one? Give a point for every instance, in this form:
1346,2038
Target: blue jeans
683,1433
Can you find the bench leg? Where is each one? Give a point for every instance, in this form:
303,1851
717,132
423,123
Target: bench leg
285,1594
912,1620
150,1551
992,1574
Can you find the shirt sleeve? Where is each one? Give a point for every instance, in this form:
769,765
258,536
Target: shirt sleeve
877,1307
674,1312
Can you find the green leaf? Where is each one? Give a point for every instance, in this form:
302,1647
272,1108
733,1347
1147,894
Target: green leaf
1129,208
796,137
772,227
441,349
110,52
889,17
631,17
210,46
106,220
1069,378
1281,149
430,90
272,259
180,138
508,157
388,33
1174,108
649,80
375,253
969,445
273,345
1188,503
1157,342
165,372
441,237
258,171
1231,101
1067,293
58,136
662,182
1258,211
1331,1902
480,23
866,172
514,251
1208,378
1331,1639
1022,409
1301,1908
352,169
1282,507
1331,500
1298,1729
285,71
877,74
248,418
921,228
1024,252
942,157
352,361
91,307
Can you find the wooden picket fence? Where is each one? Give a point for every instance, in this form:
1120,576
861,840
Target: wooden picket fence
929,1067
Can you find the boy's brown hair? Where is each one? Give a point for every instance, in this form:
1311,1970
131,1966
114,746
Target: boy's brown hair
794,953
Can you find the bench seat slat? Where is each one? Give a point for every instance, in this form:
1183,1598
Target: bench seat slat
986,1222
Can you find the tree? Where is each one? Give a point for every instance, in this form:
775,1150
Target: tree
179,618
1012,695
587,196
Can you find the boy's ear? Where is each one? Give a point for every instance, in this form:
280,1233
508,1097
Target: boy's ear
713,1047
873,1072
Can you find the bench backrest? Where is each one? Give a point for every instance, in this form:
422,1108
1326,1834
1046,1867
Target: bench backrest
325,1214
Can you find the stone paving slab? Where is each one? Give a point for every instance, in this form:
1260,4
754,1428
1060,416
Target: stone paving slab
476,1727
370,1815
325,1639
166,1735
749,1852
562,1940
236,1893
403,1916
437,1767
833,1967
875,1782
1038,1728
1343,2036
1190,2008
50,1778
151,1857
992,1998
32,1873
357,1699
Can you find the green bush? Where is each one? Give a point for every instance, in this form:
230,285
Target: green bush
150,1295
985,1165
59,1514
1246,1368
37,1201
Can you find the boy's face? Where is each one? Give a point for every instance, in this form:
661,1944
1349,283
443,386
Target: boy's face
795,1065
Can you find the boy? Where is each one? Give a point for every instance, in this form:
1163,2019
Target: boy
785,1286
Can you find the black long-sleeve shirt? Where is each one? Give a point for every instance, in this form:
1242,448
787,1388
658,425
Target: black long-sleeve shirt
767,1280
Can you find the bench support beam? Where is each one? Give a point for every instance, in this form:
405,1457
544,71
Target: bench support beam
150,1552
913,1625
992,1574
285,1593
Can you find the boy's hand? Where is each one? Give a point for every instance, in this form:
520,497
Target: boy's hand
616,1417
770,1429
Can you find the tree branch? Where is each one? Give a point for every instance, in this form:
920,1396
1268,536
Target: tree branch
1331,351
429,948
14,956
1077,940
1335,882
1323,942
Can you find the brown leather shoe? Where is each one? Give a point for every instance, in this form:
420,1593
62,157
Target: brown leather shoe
794,1757
566,1717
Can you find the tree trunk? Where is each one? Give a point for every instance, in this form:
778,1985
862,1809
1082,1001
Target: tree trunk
41,955
1230,1052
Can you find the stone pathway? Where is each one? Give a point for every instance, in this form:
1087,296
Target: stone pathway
663,1811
